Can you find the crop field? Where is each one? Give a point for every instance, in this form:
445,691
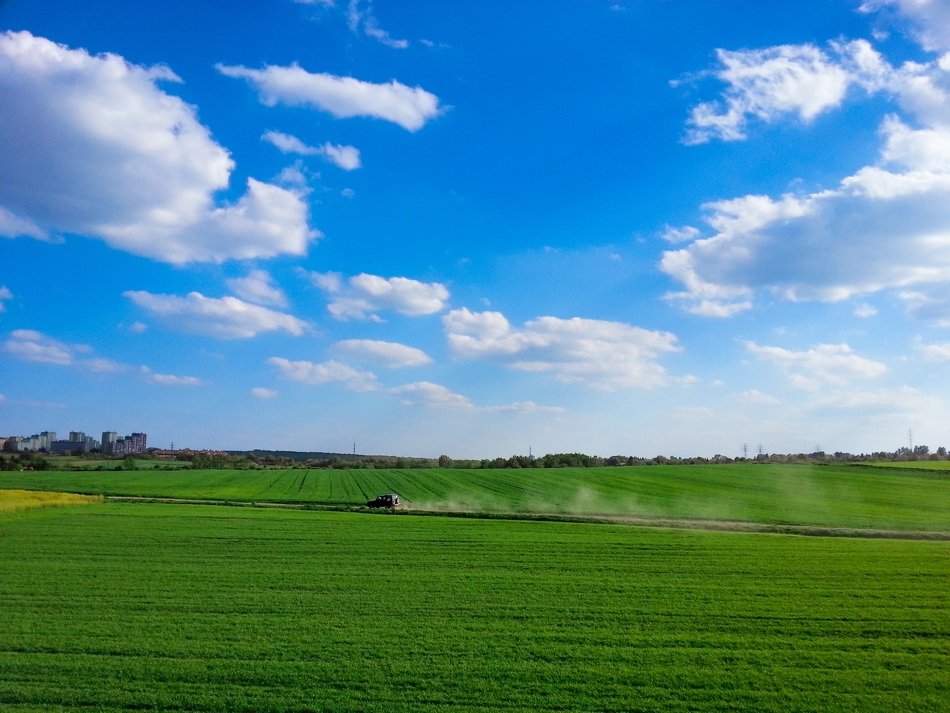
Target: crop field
16,500
118,606
834,495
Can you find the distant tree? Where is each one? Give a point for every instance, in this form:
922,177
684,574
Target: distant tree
942,452
445,461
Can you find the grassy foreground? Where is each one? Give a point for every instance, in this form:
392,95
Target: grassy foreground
118,607
833,495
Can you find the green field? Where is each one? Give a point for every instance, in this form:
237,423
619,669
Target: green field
833,495
119,607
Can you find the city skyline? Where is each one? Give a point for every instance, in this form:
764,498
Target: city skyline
601,227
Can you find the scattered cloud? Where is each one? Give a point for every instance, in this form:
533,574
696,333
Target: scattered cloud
360,16
343,97
682,234
930,20
386,354
363,296
258,287
885,227
5,294
601,354
426,393
32,346
754,396
822,365
169,379
345,157
259,392
224,317
327,372
29,345
765,84
864,310
93,146
935,352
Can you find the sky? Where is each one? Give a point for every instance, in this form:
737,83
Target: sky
630,227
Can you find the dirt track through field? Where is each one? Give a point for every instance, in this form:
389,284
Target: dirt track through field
670,523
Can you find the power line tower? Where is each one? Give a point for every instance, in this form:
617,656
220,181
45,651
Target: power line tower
745,450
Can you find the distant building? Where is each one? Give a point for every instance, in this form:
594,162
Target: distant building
108,441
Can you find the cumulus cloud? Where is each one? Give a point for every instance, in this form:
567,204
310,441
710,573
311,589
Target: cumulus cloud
343,97
345,157
386,354
819,366
92,145
364,296
885,227
259,392
223,317
764,84
601,354
327,372
258,287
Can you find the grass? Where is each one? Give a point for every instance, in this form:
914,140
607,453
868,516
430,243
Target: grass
118,607
831,496
16,500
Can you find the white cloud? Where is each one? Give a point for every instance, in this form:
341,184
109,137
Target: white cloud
343,97
224,317
433,395
258,287
428,394
345,157
930,19
682,234
754,396
359,14
170,379
822,365
600,354
935,352
364,296
765,84
29,345
309,372
92,146
5,294
259,392
387,354
884,227
32,346
865,310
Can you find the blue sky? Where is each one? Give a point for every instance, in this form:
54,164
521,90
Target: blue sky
476,228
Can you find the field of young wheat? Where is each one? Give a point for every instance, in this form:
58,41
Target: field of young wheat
118,606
